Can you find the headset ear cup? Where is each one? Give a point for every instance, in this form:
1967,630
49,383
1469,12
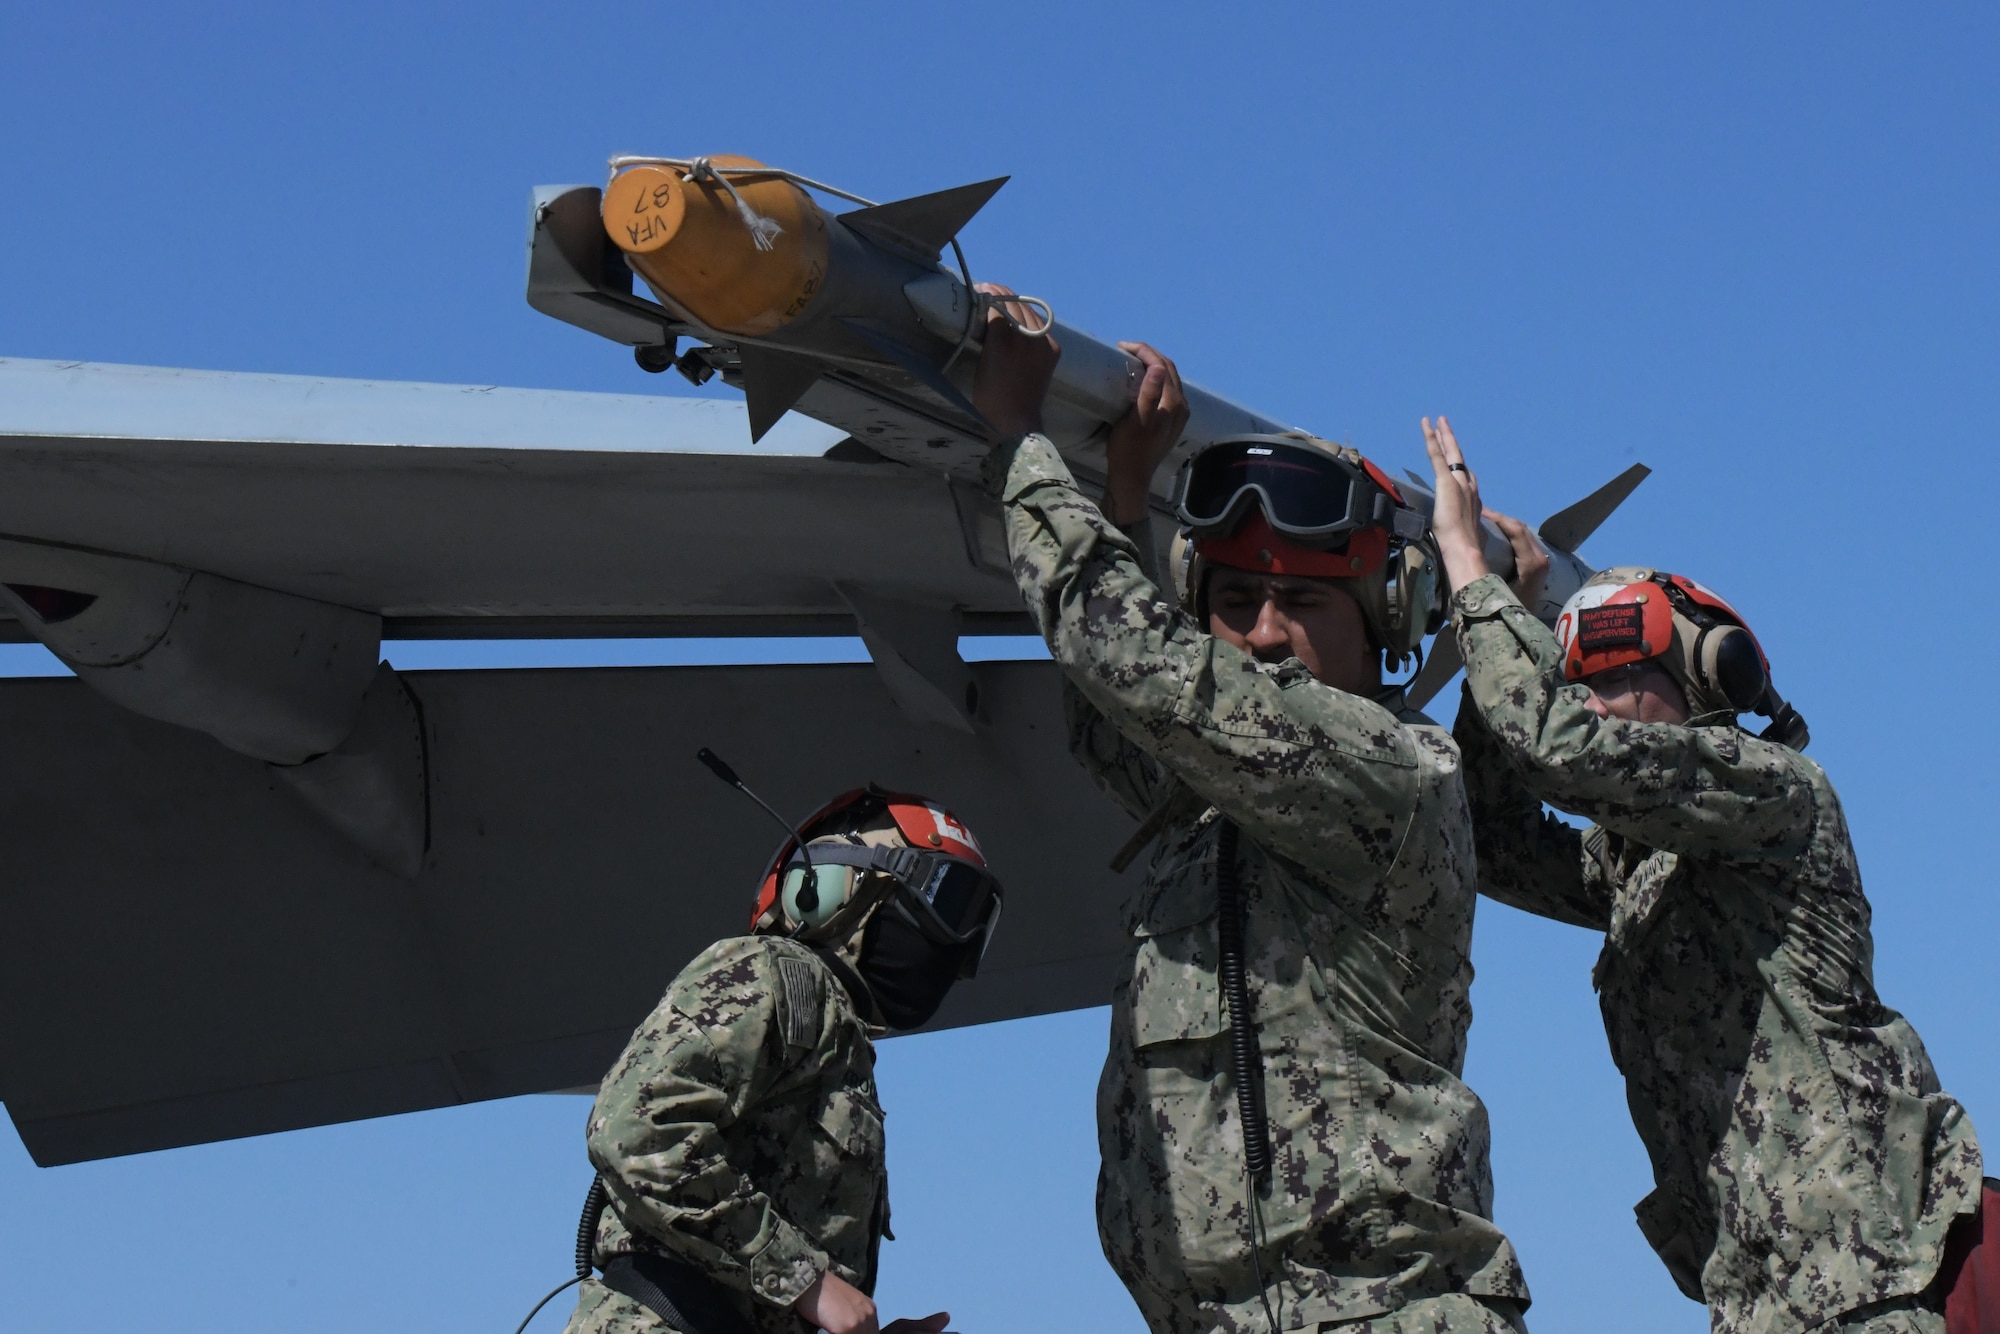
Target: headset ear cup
1730,667
1395,610
833,886
1427,608
1181,565
1414,608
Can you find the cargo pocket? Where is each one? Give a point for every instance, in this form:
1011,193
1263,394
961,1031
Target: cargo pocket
854,1126
1174,994
1167,1121
847,1193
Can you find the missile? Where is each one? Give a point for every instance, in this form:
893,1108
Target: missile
855,319
852,317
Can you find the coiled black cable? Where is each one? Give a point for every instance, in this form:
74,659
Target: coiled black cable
586,1226
1243,1054
1236,994
586,1248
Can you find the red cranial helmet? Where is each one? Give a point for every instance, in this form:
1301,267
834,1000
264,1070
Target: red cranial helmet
1636,614
868,847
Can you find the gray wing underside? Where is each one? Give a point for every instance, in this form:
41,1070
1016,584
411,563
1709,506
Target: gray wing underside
191,950
190,955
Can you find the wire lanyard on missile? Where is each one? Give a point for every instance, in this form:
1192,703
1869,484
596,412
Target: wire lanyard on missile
764,232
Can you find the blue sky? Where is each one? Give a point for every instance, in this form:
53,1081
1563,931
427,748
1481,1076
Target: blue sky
1750,246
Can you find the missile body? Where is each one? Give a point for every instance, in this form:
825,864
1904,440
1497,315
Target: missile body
851,318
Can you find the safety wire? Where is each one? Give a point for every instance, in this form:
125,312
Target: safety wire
764,232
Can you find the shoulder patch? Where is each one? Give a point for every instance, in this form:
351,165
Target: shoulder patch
805,1001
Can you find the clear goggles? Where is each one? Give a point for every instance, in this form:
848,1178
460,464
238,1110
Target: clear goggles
1308,495
948,899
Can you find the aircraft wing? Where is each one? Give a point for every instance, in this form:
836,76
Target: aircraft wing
253,881
474,510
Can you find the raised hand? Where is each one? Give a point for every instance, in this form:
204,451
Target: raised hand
1455,517
1144,436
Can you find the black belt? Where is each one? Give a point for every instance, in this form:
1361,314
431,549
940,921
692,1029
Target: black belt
683,1296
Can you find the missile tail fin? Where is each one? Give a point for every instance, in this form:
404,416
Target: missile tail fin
922,225
1568,528
1438,669
913,363
772,383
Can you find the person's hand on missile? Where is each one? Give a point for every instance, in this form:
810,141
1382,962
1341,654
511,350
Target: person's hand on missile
1455,515
1531,559
1014,369
1144,436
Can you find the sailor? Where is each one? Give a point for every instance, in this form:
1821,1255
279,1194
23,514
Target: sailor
739,1137
1807,1165
1314,858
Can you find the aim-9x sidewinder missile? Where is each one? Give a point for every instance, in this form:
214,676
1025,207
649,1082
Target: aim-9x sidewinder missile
855,319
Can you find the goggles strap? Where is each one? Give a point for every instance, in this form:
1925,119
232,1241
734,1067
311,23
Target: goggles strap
910,868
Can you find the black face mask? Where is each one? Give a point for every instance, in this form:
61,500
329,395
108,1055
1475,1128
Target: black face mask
907,974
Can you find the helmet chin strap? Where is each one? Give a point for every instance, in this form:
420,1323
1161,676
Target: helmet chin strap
857,986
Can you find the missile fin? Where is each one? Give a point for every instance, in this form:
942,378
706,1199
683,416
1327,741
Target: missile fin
1568,528
914,363
772,383
922,225
1438,669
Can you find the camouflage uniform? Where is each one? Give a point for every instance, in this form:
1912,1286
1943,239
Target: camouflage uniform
740,1133
1807,1163
1355,863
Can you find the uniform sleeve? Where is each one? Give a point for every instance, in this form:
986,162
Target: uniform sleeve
1696,791
1528,859
707,1054
1323,777
1130,776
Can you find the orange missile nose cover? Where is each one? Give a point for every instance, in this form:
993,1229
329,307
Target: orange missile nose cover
644,208
691,244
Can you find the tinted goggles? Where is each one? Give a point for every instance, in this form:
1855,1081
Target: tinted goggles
1308,495
950,900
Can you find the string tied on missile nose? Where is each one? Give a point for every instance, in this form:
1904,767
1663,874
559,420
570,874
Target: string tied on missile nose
764,231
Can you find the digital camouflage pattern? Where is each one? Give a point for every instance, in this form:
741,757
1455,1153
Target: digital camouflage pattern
1356,866
1807,1163
740,1133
